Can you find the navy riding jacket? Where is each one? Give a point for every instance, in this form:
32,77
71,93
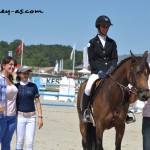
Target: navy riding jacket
102,58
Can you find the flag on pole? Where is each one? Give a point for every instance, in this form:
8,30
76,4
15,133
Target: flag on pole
19,49
72,57
85,58
73,52
56,66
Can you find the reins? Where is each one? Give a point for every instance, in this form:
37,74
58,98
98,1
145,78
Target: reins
122,86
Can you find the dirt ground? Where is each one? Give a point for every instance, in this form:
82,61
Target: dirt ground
61,132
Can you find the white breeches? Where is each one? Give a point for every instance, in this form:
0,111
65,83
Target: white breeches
90,82
25,125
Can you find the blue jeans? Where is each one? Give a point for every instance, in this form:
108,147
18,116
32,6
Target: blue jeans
7,127
146,133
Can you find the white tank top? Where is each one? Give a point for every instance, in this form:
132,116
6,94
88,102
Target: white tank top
11,94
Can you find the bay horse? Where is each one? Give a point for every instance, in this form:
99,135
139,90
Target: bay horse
110,105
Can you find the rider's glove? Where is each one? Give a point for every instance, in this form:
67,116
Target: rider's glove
101,74
110,70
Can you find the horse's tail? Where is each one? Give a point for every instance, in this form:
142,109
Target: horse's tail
91,137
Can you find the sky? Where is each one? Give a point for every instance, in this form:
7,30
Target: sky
66,22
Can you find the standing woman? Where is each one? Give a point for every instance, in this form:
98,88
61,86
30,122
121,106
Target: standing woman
8,94
27,94
146,123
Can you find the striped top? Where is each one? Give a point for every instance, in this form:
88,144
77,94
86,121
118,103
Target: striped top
3,85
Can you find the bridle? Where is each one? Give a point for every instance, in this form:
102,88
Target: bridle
138,90
134,83
124,87
134,90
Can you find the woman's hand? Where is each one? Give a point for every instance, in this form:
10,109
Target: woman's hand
39,109
1,108
40,122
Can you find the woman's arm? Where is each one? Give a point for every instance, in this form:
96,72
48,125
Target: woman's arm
39,110
1,108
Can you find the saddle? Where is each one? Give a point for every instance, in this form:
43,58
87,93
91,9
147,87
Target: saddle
95,88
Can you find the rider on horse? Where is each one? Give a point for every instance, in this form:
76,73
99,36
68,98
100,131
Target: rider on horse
103,58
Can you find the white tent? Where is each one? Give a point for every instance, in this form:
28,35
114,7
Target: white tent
85,71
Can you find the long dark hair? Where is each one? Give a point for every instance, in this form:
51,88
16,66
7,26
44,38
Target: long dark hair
7,60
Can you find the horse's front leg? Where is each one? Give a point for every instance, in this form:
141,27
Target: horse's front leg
99,136
120,128
83,133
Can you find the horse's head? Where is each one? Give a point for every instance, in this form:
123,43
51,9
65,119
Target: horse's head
139,74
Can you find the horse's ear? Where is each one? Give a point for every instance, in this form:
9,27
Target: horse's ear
145,55
133,58
132,53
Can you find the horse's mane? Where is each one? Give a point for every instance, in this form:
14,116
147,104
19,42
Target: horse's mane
120,63
126,59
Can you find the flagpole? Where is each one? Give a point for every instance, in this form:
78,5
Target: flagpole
73,60
22,53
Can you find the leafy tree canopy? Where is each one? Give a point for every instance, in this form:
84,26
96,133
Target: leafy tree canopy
41,55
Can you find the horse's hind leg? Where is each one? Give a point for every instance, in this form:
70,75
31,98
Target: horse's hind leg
120,128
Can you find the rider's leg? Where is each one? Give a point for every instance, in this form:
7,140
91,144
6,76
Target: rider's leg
86,96
85,102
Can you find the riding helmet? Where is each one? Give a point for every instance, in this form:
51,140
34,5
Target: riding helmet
102,20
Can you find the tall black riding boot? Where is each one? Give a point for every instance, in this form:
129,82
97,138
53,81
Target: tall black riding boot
85,102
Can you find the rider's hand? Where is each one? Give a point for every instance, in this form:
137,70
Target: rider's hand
101,74
110,70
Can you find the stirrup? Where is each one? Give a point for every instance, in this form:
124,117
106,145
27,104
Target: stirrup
132,119
86,116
